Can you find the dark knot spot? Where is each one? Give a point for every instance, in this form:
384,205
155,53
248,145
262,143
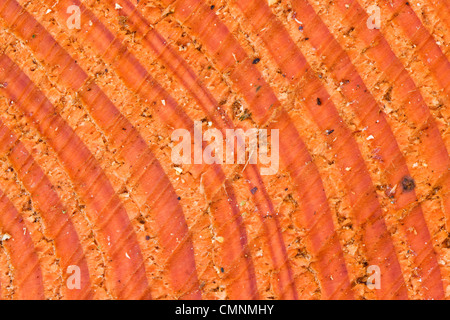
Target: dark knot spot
446,243
408,184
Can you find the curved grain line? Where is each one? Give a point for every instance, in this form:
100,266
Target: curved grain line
379,50
187,77
266,100
442,9
314,206
81,166
430,52
222,45
235,257
58,225
27,271
416,111
101,109
367,110
160,197
137,78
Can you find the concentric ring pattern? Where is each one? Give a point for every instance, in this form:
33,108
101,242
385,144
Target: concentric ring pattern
93,206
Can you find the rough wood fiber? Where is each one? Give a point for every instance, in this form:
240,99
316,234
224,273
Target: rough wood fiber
85,151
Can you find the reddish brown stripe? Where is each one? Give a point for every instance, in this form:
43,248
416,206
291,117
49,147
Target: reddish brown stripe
429,51
189,80
139,72
357,181
229,54
57,223
315,214
415,109
371,118
27,271
142,83
107,117
89,180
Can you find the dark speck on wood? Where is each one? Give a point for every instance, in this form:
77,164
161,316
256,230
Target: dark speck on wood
408,184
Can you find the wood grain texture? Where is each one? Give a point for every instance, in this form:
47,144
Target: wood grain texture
87,178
